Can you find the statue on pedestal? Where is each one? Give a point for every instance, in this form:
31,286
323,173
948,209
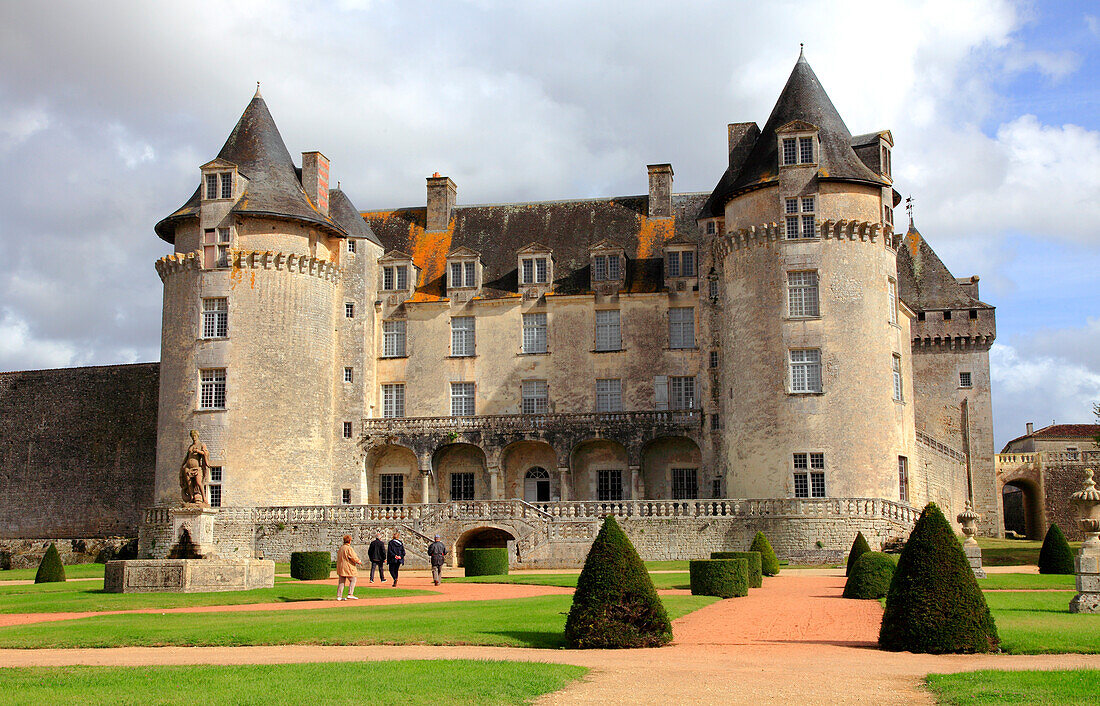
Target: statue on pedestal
194,472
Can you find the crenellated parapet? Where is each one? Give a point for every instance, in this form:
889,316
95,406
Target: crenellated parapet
955,328
839,230
253,260
178,262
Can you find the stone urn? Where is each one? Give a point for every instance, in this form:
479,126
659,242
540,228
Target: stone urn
1087,502
968,519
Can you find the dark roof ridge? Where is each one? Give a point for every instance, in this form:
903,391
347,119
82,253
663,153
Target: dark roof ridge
549,202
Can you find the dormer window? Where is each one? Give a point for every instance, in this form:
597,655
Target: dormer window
219,185
606,268
463,271
395,278
534,270
680,262
798,150
885,159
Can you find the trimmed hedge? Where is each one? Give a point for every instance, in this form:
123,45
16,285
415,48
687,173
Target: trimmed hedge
310,566
50,569
769,562
870,576
934,604
1056,557
615,604
755,565
859,547
725,578
485,561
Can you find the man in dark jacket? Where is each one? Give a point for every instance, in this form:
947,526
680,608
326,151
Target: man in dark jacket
395,555
376,552
437,553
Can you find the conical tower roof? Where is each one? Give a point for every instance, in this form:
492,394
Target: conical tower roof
924,282
274,186
803,99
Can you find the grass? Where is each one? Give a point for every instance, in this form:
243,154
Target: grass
400,682
72,571
1012,552
521,622
84,596
992,687
661,581
1040,623
1026,582
665,566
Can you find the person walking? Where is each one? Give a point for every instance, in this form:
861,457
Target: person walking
395,555
376,552
437,553
346,561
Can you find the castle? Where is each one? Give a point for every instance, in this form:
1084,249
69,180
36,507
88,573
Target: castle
769,355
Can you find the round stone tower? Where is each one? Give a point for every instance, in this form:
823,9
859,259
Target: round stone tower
815,369
249,342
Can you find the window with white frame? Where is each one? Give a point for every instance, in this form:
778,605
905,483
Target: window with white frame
534,333
215,247
802,294
215,317
799,217
679,263
609,485
393,339
214,487
606,268
351,246
885,160
711,228
609,335
391,488
535,397
395,278
798,150
809,475
212,388
349,374
462,399
806,370
888,216
463,274
535,270
462,486
681,327
609,395
681,392
227,185
349,310
895,366
463,336
964,380
892,294
347,430
903,479
393,400
685,483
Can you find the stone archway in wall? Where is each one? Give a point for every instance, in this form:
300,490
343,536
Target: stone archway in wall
460,474
672,469
1023,508
528,468
601,471
392,476
478,537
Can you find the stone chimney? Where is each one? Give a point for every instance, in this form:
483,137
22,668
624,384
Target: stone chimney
441,200
660,190
742,139
315,179
1030,428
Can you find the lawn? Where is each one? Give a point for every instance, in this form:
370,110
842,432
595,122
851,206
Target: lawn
81,596
1040,623
1027,582
72,571
674,580
521,622
1012,552
400,682
992,687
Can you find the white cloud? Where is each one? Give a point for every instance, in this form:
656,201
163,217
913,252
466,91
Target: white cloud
19,350
20,124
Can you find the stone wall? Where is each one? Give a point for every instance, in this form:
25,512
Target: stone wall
28,553
1059,483
77,450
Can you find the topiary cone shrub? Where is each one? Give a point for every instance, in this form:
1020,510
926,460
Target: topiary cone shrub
725,578
934,604
859,547
1056,557
50,569
615,604
310,566
485,561
870,576
769,562
755,565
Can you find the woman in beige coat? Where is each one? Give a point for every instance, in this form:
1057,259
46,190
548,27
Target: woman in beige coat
346,561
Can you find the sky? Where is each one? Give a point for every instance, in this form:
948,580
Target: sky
107,110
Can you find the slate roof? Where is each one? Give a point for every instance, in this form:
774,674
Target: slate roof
568,228
274,184
1059,431
343,212
924,282
803,98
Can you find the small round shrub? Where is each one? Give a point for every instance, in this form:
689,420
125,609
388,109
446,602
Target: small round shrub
870,577
310,566
1056,557
859,547
755,564
485,561
934,604
725,578
769,562
615,604
50,569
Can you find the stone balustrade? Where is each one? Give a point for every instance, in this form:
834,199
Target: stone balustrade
676,418
1049,458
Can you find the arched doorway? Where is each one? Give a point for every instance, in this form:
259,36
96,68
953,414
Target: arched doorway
1023,511
536,485
479,537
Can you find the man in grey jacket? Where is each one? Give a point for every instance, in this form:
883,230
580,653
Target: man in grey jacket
437,553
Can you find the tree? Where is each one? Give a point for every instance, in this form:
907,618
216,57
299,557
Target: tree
615,604
50,569
1056,557
934,604
870,576
769,562
859,548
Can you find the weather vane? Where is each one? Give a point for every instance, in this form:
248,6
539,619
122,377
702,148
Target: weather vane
909,208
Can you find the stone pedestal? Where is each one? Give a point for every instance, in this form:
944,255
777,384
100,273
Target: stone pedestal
199,522
187,575
1087,599
974,557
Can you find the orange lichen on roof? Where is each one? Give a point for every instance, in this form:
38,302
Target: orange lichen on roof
653,233
429,253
